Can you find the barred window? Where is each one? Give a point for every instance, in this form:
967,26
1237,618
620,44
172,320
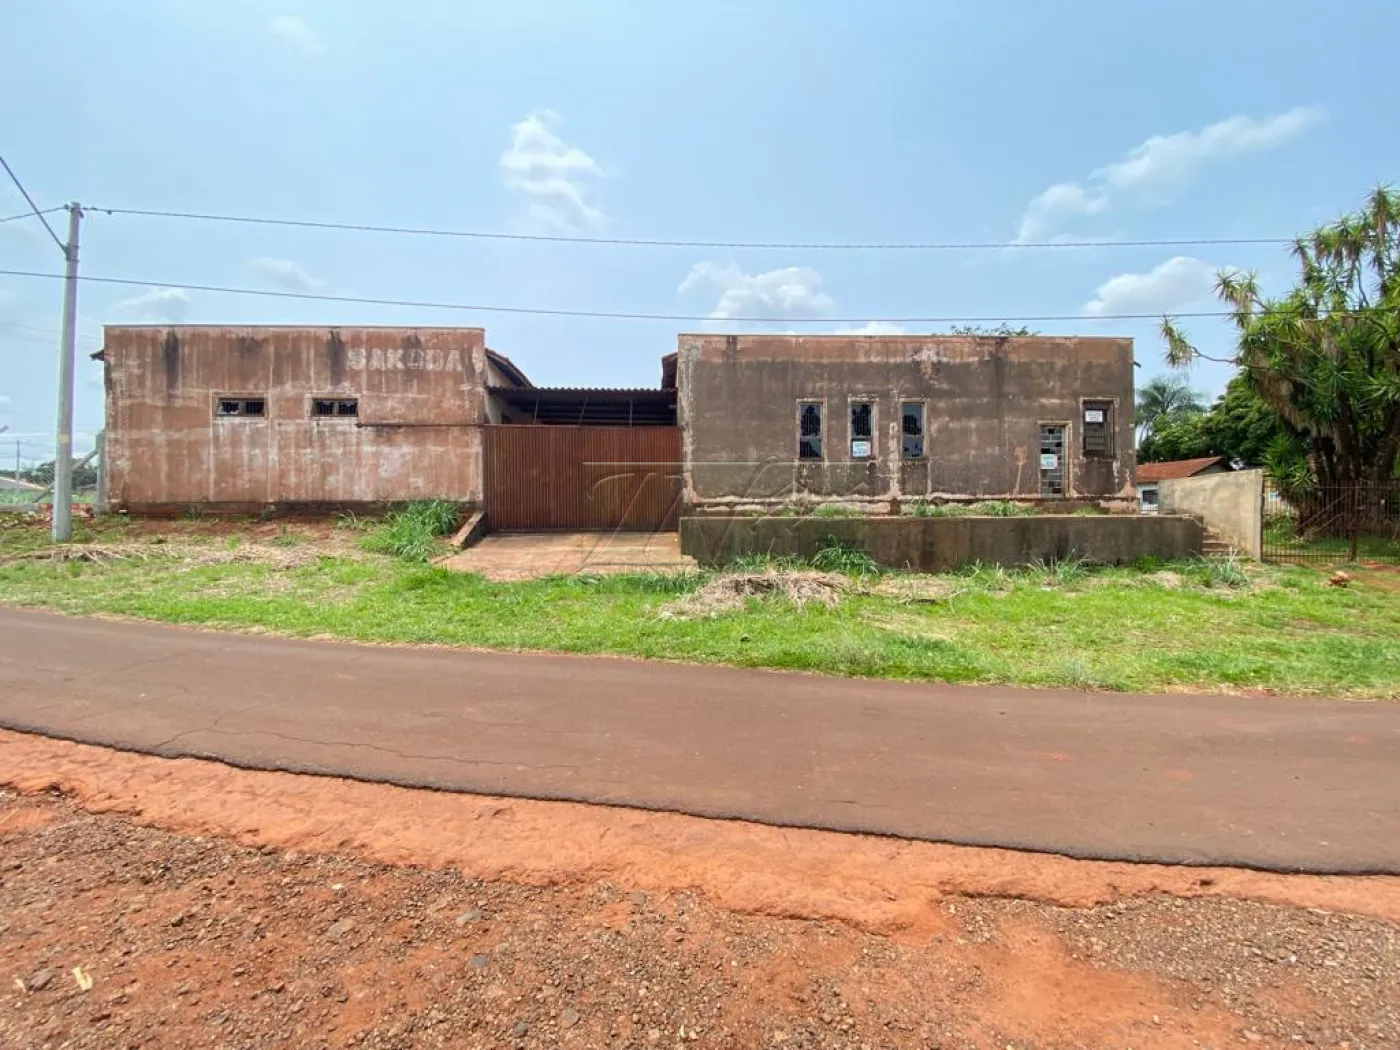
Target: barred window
335,406
1098,430
912,424
862,429
241,406
809,430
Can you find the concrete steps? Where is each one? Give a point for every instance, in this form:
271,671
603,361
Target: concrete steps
1216,546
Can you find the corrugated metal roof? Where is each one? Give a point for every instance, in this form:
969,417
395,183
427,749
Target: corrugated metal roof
1177,468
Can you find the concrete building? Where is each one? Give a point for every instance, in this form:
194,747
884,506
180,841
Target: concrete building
876,421
239,419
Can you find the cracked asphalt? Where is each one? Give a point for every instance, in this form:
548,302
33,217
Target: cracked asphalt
1275,783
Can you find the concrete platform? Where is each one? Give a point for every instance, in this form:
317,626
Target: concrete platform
530,555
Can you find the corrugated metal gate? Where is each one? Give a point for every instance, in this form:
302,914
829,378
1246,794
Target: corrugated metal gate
563,477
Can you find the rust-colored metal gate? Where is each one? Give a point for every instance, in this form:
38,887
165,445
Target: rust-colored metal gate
563,477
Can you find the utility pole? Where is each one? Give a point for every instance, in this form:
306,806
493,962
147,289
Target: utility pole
63,457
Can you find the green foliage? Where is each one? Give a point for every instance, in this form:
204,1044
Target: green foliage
84,477
1059,571
834,510
1219,572
923,508
1001,508
1325,357
1240,425
1001,331
1177,435
836,556
1115,628
413,532
352,522
1161,398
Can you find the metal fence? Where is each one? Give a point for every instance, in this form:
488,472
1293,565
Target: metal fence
1333,525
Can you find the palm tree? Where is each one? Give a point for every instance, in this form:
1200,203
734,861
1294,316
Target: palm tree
1163,396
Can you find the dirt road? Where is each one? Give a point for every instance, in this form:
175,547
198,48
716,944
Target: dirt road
158,903
1285,784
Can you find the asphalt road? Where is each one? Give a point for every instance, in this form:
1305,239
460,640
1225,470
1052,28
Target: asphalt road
1282,784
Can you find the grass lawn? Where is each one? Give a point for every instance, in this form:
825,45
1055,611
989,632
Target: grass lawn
1166,627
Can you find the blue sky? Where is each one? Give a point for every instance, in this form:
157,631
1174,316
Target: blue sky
732,120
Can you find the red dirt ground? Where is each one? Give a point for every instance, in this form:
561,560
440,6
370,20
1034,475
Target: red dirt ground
216,907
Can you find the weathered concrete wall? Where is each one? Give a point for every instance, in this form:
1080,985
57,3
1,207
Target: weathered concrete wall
986,397
939,544
421,402
1231,504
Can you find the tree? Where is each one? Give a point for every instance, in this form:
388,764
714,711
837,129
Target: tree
1001,331
1162,396
84,477
1240,426
1177,435
1326,356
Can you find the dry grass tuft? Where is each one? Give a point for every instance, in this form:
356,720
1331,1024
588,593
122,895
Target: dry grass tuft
728,592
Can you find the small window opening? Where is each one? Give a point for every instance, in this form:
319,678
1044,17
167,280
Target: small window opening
912,423
1098,429
862,429
809,430
241,406
345,406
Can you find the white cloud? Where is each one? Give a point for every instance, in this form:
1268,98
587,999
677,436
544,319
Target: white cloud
162,304
795,291
4,400
298,34
287,274
1170,286
870,328
1153,172
554,178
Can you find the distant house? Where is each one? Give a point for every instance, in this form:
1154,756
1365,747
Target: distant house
1149,475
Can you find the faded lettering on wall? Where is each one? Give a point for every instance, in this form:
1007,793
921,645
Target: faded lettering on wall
408,359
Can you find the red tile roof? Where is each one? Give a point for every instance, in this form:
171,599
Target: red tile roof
1177,468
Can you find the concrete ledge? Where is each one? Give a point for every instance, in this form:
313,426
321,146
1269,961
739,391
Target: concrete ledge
471,531
939,544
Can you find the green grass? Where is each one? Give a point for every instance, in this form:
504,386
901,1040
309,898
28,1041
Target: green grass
991,508
414,531
1282,543
1159,626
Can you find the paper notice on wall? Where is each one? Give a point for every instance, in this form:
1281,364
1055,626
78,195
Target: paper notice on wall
860,449
1093,415
1049,461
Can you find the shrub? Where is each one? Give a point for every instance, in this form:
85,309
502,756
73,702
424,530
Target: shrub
922,508
835,556
1061,571
1001,508
413,532
1219,572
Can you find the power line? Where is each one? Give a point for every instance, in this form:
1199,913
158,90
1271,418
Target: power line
608,314
659,243
33,207
30,214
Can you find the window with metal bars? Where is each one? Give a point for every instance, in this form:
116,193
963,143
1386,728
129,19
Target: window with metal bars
1097,430
809,430
912,425
862,429
241,406
335,406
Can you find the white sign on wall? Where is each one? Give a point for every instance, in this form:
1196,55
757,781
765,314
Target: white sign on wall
1049,461
860,449
1093,415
